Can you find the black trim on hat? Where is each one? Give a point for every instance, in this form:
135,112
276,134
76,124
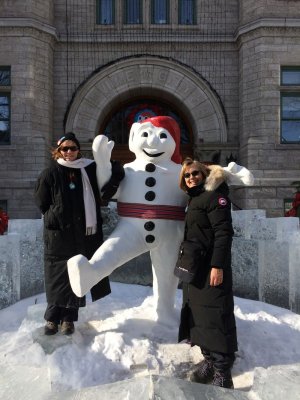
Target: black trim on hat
68,136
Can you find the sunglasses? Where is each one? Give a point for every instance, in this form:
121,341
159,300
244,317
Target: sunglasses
193,173
66,148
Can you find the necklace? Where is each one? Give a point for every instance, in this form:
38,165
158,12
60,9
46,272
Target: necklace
72,178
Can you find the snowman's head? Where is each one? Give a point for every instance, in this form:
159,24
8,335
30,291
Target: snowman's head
155,139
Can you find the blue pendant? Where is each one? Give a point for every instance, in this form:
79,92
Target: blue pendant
72,185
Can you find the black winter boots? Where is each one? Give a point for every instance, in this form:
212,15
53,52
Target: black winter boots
67,328
204,372
223,379
51,328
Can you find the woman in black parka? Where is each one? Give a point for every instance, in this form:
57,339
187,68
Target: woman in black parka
207,317
68,197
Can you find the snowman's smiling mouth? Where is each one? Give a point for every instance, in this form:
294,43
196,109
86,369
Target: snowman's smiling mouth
153,154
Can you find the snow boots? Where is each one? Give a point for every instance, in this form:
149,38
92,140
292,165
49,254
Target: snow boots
51,328
223,379
67,328
204,372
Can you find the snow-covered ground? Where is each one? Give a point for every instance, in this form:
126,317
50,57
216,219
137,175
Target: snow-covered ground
116,339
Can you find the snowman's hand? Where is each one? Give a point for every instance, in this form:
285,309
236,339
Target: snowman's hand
238,175
102,149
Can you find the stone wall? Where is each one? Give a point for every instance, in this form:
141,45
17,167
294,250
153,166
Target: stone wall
265,259
31,115
237,47
39,10
251,10
262,53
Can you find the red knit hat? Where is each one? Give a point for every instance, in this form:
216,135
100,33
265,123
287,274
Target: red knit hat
173,128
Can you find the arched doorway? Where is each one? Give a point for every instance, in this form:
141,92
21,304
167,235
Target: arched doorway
118,122
174,86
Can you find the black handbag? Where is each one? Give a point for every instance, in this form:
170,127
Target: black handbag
191,256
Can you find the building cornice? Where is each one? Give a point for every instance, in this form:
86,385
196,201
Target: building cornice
28,23
267,23
113,36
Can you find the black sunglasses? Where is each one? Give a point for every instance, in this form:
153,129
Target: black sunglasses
66,148
193,173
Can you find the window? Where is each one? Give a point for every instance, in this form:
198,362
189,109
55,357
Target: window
160,11
290,76
4,76
290,118
105,12
4,105
3,205
186,9
290,105
133,12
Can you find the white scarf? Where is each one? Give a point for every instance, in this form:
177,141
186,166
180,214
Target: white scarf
88,195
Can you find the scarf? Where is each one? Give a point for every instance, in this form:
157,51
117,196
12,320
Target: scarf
88,195
196,190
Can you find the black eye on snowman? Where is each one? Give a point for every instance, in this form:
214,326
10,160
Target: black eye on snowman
145,134
163,135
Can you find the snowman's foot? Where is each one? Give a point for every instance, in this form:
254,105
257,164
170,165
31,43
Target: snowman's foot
167,317
81,274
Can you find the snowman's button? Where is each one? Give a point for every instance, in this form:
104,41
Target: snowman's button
150,238
150,167
150,195
150,182
149,226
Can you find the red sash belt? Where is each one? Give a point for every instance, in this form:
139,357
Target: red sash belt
145,211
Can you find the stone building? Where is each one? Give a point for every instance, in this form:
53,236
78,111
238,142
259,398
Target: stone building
227,70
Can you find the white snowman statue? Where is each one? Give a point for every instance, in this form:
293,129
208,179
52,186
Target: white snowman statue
151,207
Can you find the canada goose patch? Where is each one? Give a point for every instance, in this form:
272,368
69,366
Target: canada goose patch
222,201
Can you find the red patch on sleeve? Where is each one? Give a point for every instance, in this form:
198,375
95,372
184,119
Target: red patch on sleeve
222,201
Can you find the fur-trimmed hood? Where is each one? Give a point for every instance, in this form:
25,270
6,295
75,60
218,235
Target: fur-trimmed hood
215,178
233,174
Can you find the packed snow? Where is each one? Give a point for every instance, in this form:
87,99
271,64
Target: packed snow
116,339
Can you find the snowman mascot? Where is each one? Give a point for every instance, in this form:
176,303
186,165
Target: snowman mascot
151,207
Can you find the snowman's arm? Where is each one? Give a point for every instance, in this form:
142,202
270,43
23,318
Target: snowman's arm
109,190
238,175
109,173
102,149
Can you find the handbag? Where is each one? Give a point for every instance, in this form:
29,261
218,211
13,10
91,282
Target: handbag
190,257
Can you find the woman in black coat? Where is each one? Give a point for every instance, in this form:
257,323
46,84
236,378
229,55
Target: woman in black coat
207,317
68,197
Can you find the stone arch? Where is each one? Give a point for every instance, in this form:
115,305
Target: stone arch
161,77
